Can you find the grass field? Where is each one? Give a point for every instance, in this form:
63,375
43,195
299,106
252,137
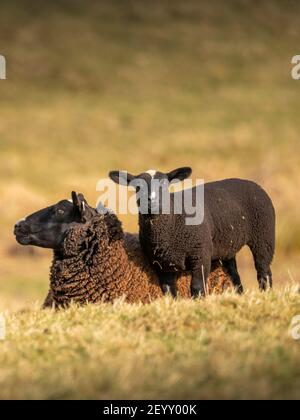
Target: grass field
99,85
224,347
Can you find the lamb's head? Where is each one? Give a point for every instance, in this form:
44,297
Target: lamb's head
152,187
48,227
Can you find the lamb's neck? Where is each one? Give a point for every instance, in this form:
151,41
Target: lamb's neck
158,227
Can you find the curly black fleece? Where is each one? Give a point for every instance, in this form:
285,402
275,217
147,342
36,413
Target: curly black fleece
236,213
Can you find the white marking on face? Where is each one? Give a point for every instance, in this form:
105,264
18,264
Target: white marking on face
70,201
151,172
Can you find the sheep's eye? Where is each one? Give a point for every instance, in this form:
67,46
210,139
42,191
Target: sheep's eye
60,212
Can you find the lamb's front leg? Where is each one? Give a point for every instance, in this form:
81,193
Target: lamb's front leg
200,273
168,283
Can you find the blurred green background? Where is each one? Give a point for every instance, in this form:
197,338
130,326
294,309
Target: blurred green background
99,85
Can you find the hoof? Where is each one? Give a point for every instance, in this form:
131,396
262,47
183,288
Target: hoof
168,290
197,293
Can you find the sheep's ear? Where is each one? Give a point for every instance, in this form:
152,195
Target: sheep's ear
75,199
81,204
82,201
85,210
179,174
121,177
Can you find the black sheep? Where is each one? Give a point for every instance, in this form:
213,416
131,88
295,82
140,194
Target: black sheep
236,213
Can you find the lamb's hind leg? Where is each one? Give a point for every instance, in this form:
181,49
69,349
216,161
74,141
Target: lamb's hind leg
231,268
262,261
270,278
264,277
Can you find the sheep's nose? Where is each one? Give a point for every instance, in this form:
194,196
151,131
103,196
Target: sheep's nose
21,227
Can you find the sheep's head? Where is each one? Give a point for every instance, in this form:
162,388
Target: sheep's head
152,187
48,227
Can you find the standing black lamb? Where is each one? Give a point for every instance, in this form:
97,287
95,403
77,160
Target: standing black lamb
236,213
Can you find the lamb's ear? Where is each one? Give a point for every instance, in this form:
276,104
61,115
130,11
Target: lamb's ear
179,174
121,177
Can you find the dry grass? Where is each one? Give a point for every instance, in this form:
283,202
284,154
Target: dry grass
223,347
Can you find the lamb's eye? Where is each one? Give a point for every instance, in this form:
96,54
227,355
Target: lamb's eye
60,212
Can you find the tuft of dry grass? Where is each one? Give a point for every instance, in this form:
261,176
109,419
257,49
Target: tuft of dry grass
222,347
